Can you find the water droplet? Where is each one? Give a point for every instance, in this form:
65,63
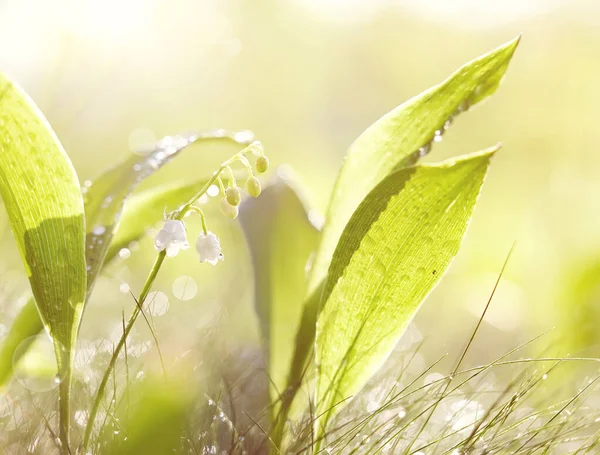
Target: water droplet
137,167
464,106
378,267
106,202
243,137
401,412
166,141
438,136
124,253
405,278
158,303
545,377
368,242
98,230
185,288
425,149
124,288
451,246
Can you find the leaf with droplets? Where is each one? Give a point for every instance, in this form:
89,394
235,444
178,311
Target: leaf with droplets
400,137
281,239
42,198
394,250
41,194
396,140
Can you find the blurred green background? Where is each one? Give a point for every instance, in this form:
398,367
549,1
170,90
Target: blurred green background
308,76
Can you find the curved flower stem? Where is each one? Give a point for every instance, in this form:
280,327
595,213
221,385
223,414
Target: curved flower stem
178,215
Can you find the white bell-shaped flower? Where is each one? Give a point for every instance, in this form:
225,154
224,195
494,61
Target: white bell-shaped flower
208,247
172,237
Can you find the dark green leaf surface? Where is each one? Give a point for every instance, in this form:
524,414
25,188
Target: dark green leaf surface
43,200
396,247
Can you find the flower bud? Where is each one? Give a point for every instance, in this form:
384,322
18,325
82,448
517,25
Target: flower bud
253,187
230,211
233,195
262,164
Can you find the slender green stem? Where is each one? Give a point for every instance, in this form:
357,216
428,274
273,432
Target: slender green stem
179,214
64,395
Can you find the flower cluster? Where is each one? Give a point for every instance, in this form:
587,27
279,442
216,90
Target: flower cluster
172,237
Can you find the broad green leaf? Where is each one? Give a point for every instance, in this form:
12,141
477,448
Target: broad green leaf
396,140
41,194
394,250
43,200
281,239
400,137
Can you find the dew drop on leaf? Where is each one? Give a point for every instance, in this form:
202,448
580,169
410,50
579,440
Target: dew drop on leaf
98,229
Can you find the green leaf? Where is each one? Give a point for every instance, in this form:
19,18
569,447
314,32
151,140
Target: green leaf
400,137
394,250
41,194
396,140
281,239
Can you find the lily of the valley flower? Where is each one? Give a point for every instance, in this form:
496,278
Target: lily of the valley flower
173,237
208,247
